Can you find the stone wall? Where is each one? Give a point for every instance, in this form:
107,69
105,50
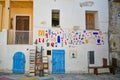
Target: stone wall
114,30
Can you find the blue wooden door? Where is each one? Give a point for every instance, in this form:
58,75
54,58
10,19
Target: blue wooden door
19,63
58,61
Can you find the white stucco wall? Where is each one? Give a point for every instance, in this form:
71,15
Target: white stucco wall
7,52
71,14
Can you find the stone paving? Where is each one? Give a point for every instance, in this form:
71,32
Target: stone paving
62,77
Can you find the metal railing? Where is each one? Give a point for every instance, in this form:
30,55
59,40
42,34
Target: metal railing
19,37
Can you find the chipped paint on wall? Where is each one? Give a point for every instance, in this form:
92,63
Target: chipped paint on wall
115,40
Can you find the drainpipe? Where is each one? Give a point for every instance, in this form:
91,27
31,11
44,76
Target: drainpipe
109,30
7,14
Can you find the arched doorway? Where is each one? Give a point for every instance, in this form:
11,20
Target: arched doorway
19,63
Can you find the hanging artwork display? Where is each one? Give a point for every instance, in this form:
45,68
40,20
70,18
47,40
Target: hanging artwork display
41,32
61,38
58,39
86,41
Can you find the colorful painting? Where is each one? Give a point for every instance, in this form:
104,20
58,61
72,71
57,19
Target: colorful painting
61,38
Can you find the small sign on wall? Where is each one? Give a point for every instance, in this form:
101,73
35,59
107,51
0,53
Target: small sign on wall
86,3
73,54
49,52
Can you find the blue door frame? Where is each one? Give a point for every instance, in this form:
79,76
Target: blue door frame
19,63
58,61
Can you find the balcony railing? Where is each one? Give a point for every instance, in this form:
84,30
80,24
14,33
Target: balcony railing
19,37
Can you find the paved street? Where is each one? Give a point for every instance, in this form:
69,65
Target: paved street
62,77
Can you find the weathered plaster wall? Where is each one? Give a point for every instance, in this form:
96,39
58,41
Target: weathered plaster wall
7,52
114,30
71,14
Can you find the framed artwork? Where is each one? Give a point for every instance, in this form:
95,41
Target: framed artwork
49,52
73,54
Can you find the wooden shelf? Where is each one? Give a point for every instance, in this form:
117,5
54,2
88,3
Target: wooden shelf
39,63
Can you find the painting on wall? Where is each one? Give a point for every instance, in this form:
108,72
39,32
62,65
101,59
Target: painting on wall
61,38
73,54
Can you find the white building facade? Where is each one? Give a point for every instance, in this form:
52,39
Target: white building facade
75,31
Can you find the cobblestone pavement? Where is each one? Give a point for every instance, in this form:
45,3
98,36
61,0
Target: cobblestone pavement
62,77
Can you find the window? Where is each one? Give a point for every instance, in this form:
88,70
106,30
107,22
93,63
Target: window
55,18
91,19
21,33
91,57
22,30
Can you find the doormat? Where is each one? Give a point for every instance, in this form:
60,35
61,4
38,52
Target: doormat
3,78
27,79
